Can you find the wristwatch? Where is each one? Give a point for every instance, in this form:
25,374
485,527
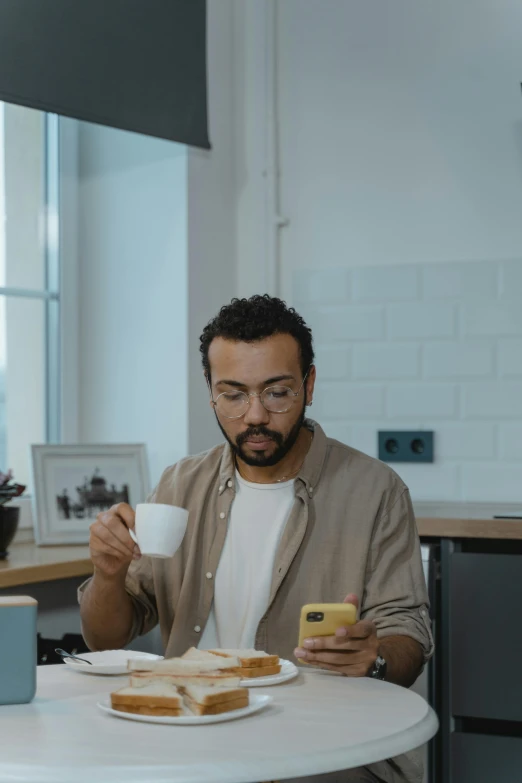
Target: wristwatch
378,670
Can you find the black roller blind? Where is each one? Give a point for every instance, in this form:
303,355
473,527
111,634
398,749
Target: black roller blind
139,65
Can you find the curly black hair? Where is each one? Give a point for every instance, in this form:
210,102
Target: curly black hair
253,319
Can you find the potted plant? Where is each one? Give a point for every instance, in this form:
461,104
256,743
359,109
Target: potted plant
8,514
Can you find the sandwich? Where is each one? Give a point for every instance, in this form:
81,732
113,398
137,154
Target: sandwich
230,665
214,701
165,699
193,654
154,699
179,672
253,663
217,679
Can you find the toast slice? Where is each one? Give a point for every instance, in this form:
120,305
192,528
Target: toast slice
214,701
248,659
184,666
154,699
217,680
193,654
259,671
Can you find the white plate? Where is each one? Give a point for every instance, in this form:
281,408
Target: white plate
288,671
107,662
257,702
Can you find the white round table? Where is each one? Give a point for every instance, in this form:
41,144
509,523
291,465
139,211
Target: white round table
319,722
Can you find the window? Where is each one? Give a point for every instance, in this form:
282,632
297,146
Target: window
29,285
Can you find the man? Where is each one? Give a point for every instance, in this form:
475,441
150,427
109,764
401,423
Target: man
279,516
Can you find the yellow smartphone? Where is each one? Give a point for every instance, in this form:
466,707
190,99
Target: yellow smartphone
324,620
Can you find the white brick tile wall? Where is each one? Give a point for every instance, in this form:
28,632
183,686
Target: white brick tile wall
461,280
348,400
328,285
386,361
510,357
422,401
458,359
510,443
496,400
333,362
490,482
421,320
386,283
359,437
430,482
463,441
340,429
490,319
428,346
347,322
511,279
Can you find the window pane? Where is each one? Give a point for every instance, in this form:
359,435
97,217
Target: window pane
22,382
22,202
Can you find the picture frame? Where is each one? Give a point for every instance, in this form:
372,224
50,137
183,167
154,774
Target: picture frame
72,484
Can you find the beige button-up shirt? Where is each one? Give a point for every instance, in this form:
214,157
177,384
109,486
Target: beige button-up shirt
351,530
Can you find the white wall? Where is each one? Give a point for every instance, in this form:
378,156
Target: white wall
399,144
132,228
401,131
211,217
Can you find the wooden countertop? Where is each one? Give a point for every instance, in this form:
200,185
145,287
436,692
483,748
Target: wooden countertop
28,563
469,520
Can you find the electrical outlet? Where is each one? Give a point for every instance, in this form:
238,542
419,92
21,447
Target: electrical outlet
406,446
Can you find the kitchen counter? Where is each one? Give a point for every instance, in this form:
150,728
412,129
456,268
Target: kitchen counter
28,563
468,520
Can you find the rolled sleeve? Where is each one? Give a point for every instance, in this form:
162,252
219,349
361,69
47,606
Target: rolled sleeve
140,588
139,585
396,597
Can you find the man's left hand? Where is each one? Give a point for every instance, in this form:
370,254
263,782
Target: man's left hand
352,651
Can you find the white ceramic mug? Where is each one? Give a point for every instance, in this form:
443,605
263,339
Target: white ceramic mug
159,529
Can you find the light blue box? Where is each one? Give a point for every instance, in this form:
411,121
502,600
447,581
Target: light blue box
18,649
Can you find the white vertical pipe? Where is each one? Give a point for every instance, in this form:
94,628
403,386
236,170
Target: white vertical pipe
273,219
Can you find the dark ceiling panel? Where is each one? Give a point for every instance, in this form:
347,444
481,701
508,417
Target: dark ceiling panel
139,65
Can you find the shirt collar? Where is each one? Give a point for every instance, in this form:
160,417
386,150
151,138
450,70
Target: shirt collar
310,470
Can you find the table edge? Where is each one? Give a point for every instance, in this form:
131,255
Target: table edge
236,772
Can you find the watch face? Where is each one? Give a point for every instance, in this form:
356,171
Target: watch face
379,668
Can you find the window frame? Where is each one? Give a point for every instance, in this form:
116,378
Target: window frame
52,293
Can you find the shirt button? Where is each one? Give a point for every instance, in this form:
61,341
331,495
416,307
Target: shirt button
229,483
423,612
197,628
220,488
208,575
222,515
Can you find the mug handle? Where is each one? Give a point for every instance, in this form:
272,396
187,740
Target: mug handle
132,534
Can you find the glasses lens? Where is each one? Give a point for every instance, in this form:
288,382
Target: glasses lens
232,404
278,399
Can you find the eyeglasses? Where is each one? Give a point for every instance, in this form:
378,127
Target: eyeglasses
276,399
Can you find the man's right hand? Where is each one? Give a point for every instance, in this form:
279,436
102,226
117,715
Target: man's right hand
111,547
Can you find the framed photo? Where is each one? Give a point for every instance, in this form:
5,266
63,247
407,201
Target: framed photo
73,484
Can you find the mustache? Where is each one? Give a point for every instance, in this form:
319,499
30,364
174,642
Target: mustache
259,432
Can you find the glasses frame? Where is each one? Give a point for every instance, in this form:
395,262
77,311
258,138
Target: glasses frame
248,395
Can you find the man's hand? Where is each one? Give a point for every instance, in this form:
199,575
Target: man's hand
352,651
111,547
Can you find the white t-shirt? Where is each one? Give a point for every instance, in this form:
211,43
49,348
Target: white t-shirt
257,519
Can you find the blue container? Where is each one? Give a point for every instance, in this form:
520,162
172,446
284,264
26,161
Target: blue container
18,650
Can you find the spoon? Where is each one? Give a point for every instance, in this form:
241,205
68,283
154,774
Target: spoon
64,654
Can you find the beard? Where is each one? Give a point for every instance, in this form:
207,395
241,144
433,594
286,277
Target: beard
258,459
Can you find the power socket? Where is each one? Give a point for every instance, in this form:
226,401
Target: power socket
406,445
